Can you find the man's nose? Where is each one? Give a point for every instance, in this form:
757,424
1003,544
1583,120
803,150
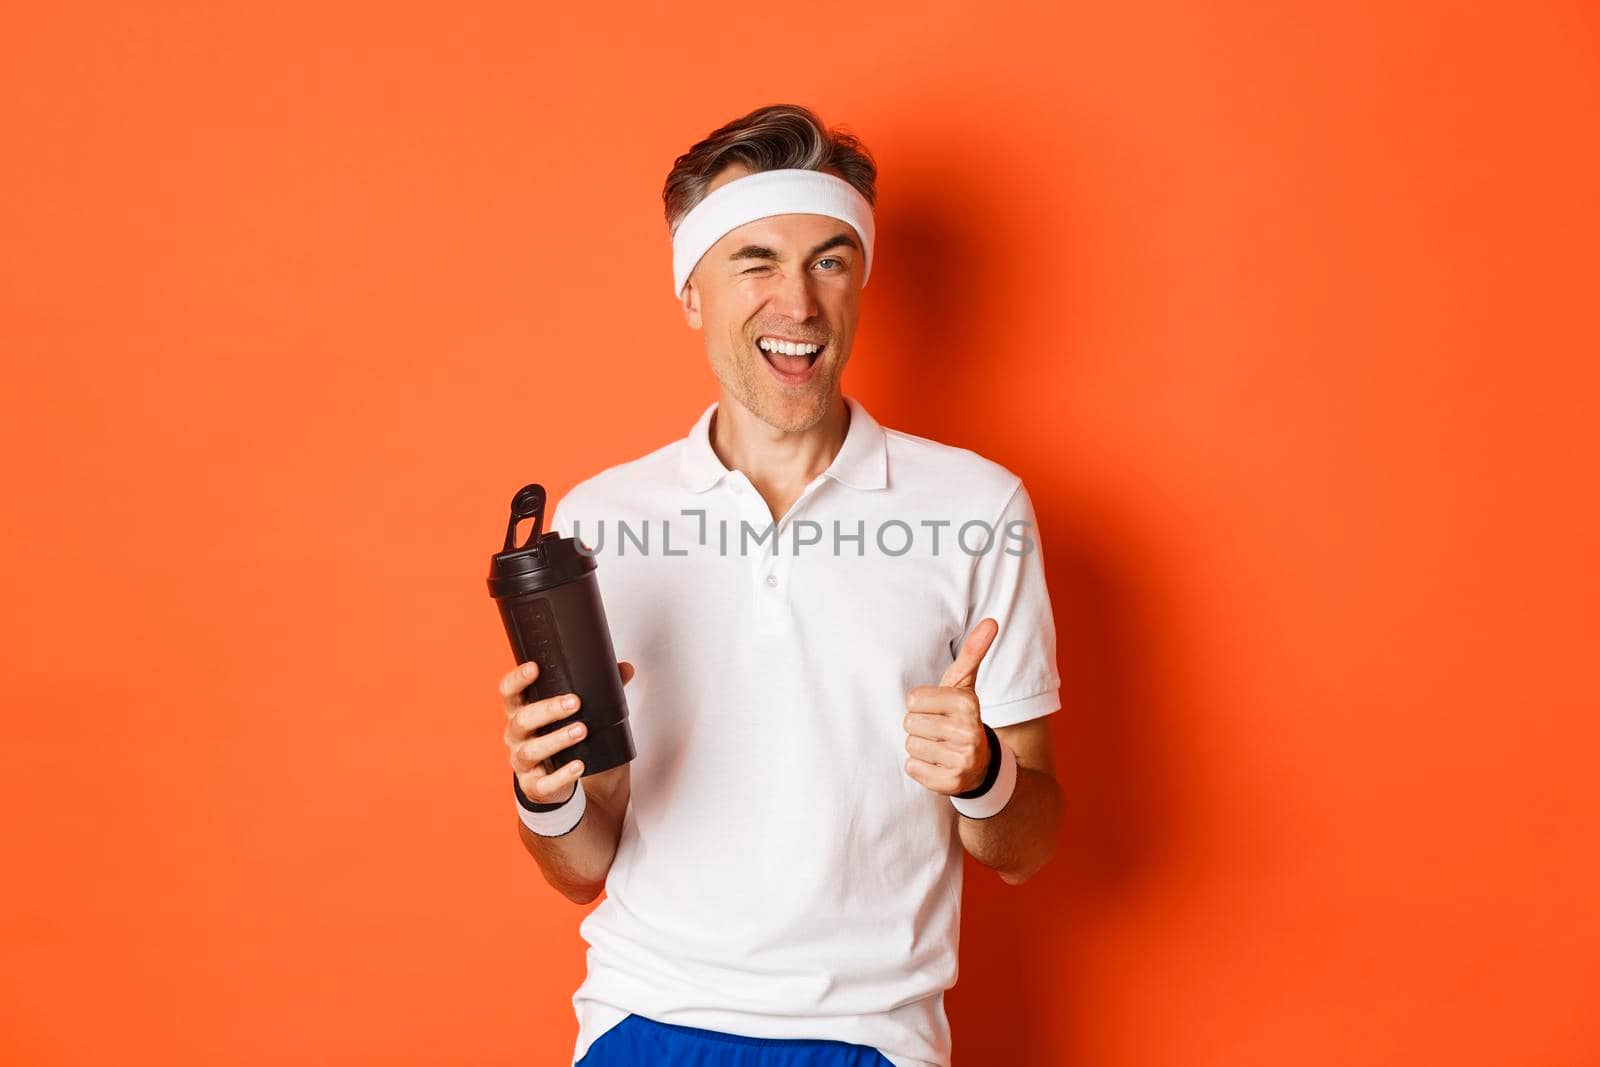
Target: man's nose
794,298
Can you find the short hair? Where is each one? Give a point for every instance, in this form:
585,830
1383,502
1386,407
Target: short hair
775,137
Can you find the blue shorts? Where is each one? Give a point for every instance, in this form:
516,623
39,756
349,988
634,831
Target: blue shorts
640,1042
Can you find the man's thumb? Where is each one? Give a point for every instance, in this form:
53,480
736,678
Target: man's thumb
963,673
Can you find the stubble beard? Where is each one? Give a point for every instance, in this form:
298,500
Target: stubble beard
790,410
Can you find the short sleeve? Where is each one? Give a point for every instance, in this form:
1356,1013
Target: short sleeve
1018,679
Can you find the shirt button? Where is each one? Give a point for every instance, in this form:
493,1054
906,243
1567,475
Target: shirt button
772,580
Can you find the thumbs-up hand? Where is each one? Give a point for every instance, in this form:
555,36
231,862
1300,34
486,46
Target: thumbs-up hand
944,733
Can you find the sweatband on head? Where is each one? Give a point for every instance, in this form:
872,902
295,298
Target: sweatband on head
789,191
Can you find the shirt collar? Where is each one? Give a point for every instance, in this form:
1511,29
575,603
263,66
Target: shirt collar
862,461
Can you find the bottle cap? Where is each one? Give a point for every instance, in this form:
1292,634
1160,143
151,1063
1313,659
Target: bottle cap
544,560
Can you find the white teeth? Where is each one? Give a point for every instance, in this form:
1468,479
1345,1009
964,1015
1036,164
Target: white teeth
791,348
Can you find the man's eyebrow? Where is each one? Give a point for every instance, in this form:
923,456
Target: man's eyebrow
754,252
836,241
763,252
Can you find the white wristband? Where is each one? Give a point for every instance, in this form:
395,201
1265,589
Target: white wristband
558,821
998,795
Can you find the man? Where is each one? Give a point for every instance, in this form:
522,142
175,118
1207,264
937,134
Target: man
839,685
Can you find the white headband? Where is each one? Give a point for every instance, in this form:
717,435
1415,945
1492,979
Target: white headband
758,196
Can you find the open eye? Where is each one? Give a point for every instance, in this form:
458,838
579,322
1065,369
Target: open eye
829,259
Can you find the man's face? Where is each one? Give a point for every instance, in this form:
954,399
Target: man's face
788,278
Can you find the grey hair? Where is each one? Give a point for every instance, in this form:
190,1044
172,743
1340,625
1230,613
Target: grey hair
778,136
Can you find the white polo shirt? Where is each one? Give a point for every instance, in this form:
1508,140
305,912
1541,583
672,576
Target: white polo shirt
779,874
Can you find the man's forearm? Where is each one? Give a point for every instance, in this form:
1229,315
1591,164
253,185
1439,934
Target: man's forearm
1021,839
577,862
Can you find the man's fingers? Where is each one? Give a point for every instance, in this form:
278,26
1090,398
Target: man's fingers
523,718
941,700
964,671
513,682
546,788
936,777
929,751
922,724
946,729
530,717
533,751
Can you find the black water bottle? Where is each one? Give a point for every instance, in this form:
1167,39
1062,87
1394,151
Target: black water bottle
549,600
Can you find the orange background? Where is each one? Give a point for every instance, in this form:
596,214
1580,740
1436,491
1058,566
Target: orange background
1286,316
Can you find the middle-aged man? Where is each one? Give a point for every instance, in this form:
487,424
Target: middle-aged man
840,659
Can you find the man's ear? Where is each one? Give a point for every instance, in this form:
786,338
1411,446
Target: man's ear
691,306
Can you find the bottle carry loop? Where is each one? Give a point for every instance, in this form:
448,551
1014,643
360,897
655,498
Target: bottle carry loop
527,504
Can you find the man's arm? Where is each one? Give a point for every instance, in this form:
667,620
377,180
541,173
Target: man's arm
1020,666
1022,837
577,863
950,754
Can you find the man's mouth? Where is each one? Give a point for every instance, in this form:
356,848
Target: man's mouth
792,360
